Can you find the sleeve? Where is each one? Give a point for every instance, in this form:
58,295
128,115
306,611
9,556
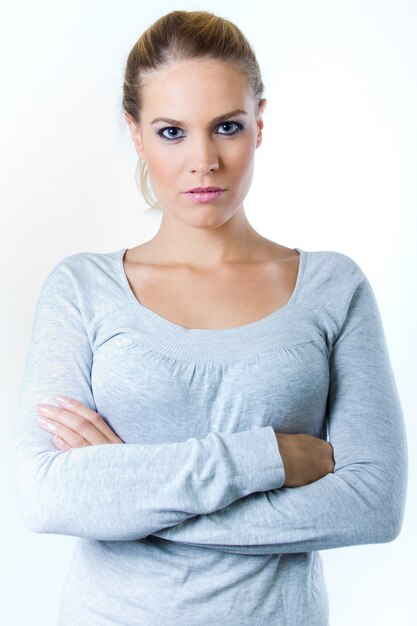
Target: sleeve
363,500
116,491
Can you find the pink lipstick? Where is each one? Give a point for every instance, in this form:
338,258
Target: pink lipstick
205,194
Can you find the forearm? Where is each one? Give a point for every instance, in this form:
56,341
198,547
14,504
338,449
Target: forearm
355,505
128,491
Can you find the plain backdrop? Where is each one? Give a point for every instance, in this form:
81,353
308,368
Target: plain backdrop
336,171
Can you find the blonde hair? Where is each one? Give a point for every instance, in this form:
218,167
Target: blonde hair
177,36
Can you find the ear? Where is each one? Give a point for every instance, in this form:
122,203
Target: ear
259,121
135,134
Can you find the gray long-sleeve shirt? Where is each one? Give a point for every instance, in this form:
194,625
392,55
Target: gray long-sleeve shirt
187,523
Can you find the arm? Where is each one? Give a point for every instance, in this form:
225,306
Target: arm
114,491
363,501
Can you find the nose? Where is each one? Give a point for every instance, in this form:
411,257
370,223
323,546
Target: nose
204,157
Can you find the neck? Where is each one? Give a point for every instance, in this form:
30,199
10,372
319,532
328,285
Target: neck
177,242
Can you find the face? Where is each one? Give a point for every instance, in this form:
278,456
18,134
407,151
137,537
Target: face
202,145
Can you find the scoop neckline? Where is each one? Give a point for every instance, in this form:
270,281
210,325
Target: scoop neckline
165,324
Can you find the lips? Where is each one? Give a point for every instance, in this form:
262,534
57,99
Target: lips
204,189
205,196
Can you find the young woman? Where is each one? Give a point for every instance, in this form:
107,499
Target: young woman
232,407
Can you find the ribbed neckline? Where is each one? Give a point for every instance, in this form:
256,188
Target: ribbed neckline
204,343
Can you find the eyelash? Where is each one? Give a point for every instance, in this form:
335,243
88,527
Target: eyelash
240,127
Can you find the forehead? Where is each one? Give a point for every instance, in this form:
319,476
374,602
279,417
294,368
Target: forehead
195,86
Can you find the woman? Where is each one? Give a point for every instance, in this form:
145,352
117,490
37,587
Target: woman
216,357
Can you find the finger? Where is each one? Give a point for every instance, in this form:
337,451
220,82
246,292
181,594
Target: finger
67,438
60,443
74,429
75,406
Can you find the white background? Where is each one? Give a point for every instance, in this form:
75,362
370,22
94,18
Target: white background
336,171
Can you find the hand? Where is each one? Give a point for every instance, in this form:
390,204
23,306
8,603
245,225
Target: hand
75,425
306,458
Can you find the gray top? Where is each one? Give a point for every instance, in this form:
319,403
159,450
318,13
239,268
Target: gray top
187,522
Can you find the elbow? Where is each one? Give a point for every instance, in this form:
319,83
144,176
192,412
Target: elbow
388,530
33,514
28,507
391,523
389,515
36,495
376,502
31,521
393,503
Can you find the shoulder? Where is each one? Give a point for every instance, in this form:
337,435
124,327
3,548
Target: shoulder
335,261
89,277
83,267
330,280
86,282
332,272
87,260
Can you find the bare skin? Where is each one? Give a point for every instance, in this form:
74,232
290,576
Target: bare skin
306,458
206,267
226,295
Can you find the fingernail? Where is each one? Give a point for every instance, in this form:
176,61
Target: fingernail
49,425
64,399
47,409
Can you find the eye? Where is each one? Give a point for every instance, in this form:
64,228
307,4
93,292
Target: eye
238,125
170,128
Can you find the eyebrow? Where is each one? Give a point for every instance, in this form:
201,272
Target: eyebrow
216,119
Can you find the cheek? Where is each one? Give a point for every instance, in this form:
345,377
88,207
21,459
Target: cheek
241,151
162,170
241,162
